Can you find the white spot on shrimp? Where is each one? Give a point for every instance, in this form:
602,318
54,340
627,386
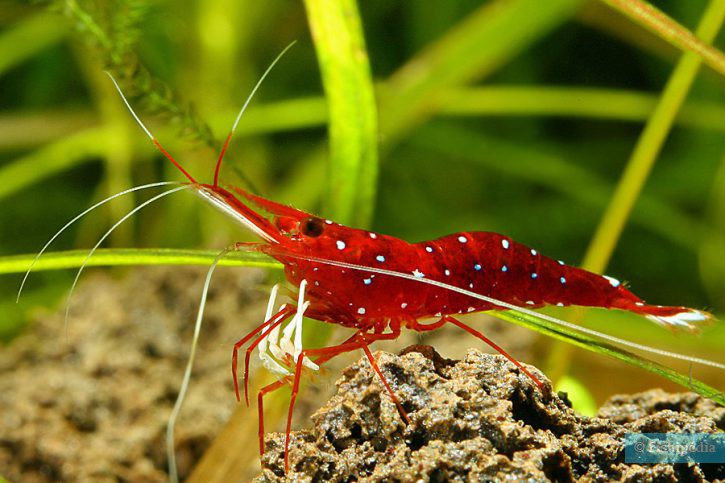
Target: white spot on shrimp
613,281
560,262
470,285
638,304
403,305
380,258
367,281
418,273
504,268
471,309
462,239
477,267
562,279
534,275
530,302
340,244
329,222
373,235
505,243
534,252
438,314
315,269
317,284
361,311
559,304
447,272
429,249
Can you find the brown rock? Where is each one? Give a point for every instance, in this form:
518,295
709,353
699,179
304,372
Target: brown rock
478,419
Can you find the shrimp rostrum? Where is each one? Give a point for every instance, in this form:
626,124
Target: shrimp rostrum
377,285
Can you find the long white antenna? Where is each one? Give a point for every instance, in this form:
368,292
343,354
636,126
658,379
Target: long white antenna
170,453
78,217
241,111
259,82
125,101
105,235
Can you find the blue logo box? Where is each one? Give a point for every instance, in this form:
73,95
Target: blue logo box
674,448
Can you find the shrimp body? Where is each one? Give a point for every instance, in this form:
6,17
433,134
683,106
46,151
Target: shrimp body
483,262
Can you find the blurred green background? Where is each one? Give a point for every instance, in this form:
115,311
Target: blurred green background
510,116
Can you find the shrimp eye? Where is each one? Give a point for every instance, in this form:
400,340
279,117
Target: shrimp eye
312,227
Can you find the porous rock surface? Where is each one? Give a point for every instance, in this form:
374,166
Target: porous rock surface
90,403
479,419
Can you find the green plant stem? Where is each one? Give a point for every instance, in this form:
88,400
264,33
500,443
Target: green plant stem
478,45
340,46
117,257
665,27
640,165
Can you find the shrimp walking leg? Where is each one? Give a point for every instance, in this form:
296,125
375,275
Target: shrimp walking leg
284,313
248,354
359,340
477,334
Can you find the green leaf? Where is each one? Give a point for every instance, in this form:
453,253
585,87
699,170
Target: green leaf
133,256
649,145
591,344
663,26
338,37
53,158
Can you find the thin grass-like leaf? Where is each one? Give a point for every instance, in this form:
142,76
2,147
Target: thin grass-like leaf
649,145
665,27
117,257
589,343
641,162
353,123
573,102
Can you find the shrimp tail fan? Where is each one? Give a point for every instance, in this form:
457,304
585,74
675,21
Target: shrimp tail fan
673,318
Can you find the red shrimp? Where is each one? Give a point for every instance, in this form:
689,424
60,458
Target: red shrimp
345,273
378,284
